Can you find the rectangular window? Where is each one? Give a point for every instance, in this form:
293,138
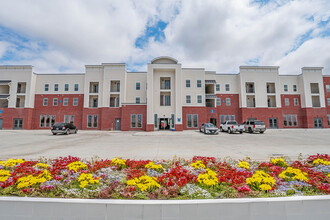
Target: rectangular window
47,121
66,118
217,87
95,121
42,121
76,87
155,120
137,100
133,121
189,121
89,121
55,87
71,119
285,120
188,99
296,103
295,88
66,87
285,88
227,87
55,101
327,87
290,120
228,101
138,86
46,87
232,117
295,121
218,101
52,121
195,121
199,83
222,119
45,101
75,101
187,83
287,101
65,101
328,100
167,100
139,121
227,117
328,116
199,99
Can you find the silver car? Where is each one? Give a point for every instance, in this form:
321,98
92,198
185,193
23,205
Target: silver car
209,128
252,126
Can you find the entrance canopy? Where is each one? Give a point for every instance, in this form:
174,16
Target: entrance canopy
164,60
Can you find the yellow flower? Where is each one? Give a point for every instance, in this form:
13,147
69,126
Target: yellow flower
151,165
2,163
86,179
265,187
41,165
260,178
208,178
294,174
30,180
13,162
279,162
118,162
244,164
4,175
144,183
198,164
321,161
329,175
76,166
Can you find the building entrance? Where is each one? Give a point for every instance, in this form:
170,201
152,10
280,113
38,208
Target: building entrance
318,123
164,124
213,121
273,123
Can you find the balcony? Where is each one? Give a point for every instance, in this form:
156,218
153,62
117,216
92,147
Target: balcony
3,103
271,101
315,88
249,87
114,101
270,87
165,83
250,101
115,86
165,99
21,88
210,103
93,87
210,88
316,102
93,101
20,102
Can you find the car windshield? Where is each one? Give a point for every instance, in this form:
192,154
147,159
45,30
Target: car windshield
232,123
59,124
209,125
259,123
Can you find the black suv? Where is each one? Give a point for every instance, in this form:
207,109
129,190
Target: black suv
64,128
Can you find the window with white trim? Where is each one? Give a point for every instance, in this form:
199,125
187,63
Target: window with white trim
217,87
69,119
328,116
136,121
295,88
92,121
46,87
328,100
327,87
199,99
55,87
228,101
45,102
188,99
47,121
187,83
75,101
290,120
65,101
138,86
286,102
218,101
224,118
199,83
76,87
66,87
296,102
137,100
285,88
55,101
192,120
227,87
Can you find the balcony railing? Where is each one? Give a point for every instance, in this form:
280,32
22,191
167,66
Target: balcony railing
249,90
20,104
93,105
114,89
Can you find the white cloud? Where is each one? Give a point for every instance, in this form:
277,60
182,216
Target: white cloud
217,35
4,46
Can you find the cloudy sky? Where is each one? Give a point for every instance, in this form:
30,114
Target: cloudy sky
219,35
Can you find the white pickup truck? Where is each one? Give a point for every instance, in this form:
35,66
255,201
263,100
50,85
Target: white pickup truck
231,126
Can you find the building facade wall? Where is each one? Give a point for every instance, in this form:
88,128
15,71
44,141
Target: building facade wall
304,96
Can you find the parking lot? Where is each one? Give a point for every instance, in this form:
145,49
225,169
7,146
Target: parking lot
32,144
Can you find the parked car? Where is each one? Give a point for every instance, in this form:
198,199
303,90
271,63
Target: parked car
231,126
64,128
254,126
209,128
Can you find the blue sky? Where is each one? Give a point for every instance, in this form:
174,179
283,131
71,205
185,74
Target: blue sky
216,35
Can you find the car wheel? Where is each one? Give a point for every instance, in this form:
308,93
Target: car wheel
261,132
204,131
250,130
228,131
221,129
54,133
75,131
67,131
241,132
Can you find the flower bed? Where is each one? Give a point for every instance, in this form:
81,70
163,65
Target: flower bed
199,178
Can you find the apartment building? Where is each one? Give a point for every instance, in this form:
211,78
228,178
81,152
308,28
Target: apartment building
166,96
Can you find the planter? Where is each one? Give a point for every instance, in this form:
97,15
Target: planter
306,207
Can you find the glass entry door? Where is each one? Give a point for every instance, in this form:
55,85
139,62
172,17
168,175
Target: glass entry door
18,124
318,123
273,123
